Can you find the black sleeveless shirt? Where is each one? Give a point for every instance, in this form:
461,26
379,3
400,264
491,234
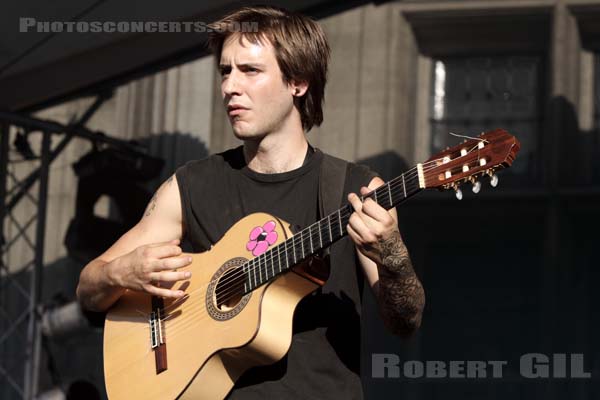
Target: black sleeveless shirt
324,357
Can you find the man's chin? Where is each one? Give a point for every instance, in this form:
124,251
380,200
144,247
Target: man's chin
244,134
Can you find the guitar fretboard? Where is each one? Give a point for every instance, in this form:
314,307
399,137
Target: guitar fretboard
323,233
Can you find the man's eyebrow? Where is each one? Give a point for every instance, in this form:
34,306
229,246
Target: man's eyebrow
242,65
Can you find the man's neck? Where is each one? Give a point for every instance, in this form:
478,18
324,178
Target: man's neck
275,154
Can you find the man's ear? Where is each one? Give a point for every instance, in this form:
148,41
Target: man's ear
298,88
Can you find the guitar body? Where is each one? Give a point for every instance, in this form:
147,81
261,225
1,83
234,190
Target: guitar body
205,346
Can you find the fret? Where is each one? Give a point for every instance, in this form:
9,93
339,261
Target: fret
302,244
375,194
249,276
245,273
320,238
272,263
382,200
254,273
404,185
287,264
266,271
278,257
294,249
340,220
329,226
310,238
390,194
260,267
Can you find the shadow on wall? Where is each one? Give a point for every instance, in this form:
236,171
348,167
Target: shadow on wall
176,149
387,164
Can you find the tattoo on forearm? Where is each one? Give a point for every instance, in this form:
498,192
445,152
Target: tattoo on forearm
152,204
401,294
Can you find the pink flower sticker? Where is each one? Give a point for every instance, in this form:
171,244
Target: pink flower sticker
261,237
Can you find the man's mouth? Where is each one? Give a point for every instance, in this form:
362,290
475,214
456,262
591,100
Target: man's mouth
235,109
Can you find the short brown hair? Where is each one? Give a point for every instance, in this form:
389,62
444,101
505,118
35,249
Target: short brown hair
301,50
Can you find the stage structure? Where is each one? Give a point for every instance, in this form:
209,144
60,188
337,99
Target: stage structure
21,308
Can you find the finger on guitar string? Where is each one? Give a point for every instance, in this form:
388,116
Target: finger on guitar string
372,208
360,228
374,216
360,221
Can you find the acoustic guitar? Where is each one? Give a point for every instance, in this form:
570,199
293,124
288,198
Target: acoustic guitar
238,306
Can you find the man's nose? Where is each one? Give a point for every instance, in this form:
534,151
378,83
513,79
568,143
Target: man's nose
231,85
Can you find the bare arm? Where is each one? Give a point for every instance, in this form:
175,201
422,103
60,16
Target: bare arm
145,255
386,263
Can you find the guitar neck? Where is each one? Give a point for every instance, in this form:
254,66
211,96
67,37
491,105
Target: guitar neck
323,233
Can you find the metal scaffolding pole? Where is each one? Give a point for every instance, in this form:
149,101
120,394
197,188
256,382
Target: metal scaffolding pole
32,360
21,286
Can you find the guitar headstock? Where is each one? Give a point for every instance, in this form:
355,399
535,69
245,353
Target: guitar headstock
470,160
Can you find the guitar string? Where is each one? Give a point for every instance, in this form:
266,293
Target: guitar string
258,264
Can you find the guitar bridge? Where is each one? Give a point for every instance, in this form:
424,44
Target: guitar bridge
157,337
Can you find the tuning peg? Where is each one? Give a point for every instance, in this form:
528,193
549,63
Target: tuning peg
476,185
459,194
494,180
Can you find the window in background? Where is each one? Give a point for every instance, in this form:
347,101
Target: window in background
471,95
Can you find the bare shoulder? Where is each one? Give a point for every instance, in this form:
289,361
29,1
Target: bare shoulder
163,213
163,200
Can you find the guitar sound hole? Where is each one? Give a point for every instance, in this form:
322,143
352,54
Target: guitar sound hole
229,289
